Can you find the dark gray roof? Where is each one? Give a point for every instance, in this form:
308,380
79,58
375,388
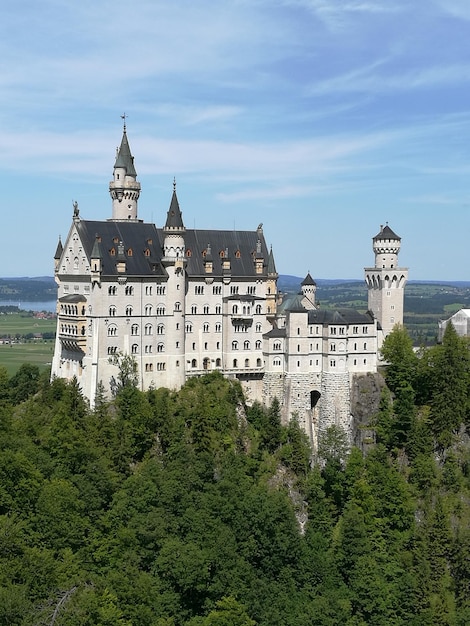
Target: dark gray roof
124,157
340,316
308,280
73,297
386,233
240,245
292,303
275,332
271,263
143,248
59,250
174,219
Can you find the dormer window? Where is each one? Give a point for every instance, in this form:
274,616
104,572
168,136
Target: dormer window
116,240
129,252
237,254
147,252
189,253
112,252
222,254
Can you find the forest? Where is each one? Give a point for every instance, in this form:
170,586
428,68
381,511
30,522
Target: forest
191,508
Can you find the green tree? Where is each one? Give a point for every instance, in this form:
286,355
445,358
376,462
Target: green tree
450,367
228,612
397,351
128,372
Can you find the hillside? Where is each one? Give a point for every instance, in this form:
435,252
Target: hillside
191,509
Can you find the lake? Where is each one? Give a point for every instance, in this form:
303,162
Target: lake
25,305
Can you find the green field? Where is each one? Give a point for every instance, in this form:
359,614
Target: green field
14,323
37,352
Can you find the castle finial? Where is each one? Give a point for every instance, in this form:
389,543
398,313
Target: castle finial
123,117
174,183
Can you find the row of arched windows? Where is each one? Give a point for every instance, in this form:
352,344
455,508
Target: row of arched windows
246,345
71,309
71,329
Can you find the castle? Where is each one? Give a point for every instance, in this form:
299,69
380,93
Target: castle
182,302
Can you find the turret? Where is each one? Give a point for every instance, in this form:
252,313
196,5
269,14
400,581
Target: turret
386,245
271,286
58,255
309,288
124,188
96,260
173,244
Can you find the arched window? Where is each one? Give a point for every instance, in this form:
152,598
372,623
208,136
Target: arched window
134,329
148,329
258,309
112,330
194,363
134,348
218,328
258,328
218,362
148,309
234,345
235,363
161,329
160,347
218,309
128,311
205,328
206,309
258,345
189,327
234,309
246,345
258,362
247,362
112,311
160,310
194,309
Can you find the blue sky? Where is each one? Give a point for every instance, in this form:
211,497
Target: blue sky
322,119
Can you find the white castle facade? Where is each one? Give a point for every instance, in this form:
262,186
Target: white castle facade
183,302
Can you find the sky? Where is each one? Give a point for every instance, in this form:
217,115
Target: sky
321,119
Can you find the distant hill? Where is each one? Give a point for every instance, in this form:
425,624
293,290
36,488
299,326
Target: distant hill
36,289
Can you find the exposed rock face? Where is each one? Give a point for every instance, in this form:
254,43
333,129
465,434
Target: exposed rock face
366,391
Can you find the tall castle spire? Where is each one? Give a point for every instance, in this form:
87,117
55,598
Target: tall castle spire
124,188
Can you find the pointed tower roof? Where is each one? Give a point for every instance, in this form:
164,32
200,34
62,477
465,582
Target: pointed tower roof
124,157
308,280
96,251
59,250
174,218
386,233
271,263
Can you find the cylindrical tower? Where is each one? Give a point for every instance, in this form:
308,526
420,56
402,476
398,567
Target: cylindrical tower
386,281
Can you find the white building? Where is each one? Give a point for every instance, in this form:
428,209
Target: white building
183,302
460,321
